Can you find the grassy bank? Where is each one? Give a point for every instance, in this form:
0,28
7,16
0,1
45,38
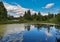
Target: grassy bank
13,22
50,21
8,22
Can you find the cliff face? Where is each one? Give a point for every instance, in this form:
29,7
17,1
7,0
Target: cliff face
3,12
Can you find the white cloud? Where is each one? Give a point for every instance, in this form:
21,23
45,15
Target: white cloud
48,33
17,10
44,13
49,5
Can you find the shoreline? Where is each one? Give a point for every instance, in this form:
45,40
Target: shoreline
32,23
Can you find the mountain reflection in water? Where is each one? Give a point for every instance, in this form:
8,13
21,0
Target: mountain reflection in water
34,33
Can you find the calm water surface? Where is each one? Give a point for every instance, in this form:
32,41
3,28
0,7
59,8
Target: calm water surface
29,33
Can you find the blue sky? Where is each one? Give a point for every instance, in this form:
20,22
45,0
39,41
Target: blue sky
38,5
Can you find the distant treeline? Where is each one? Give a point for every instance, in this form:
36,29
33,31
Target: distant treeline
36,17
28,17
53,18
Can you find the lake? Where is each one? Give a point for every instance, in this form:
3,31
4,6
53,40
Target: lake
29,33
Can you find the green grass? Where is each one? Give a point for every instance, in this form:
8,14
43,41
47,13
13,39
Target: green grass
28,21
8,22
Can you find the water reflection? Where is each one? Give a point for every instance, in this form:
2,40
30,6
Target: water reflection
2,30
27,28
10,29
57,26
38,26
49,30
30,33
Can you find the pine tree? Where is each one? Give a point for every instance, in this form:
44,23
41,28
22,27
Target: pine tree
3,12
27,15
39,18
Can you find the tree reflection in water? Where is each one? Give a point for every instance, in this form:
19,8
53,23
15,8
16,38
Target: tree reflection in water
48,32
38,26
27,28
45,29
